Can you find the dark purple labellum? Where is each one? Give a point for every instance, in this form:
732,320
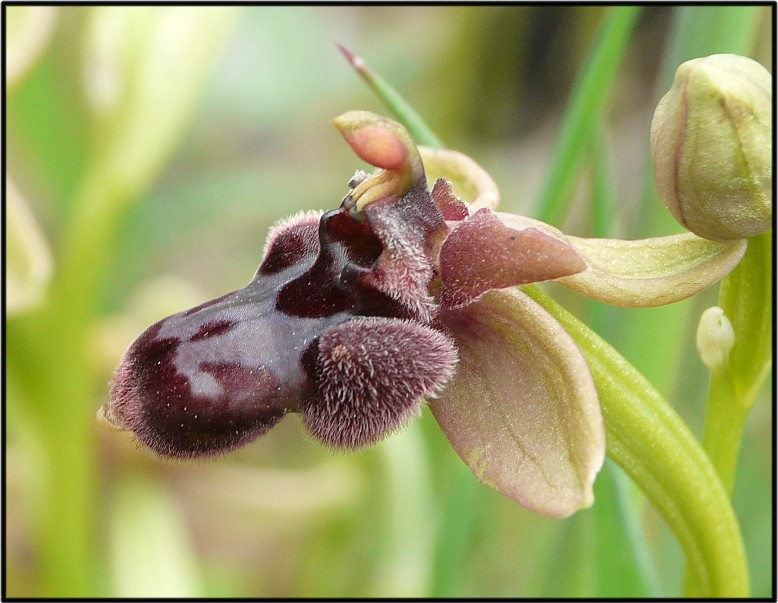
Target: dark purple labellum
216,408
208,381
335,325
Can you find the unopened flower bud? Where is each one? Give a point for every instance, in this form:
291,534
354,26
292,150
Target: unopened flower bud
715,338
711,139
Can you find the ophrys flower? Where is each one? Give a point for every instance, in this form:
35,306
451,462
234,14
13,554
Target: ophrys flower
357,315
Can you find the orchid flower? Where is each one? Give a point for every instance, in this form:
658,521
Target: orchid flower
407,292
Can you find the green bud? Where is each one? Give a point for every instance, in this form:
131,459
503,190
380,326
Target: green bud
711,140
715,338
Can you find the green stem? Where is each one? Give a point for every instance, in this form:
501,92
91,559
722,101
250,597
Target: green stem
48,361
62,394
654,446
586,102
746,298
724,421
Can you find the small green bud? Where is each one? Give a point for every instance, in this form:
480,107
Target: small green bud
715,338
711,139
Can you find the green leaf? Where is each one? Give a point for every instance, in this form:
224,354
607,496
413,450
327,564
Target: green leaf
603,196
623,566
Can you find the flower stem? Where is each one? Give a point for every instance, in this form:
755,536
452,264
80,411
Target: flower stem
724,420
746,298
654,446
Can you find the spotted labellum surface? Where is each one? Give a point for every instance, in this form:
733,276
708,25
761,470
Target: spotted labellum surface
358,315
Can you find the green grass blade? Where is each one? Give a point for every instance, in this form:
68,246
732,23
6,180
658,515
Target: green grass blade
603,199
587,100
399,107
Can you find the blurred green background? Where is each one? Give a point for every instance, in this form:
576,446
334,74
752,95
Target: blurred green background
148,152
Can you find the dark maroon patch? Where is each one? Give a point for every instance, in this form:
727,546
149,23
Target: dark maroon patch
212,329
158,404
290,245
362,245
334,283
